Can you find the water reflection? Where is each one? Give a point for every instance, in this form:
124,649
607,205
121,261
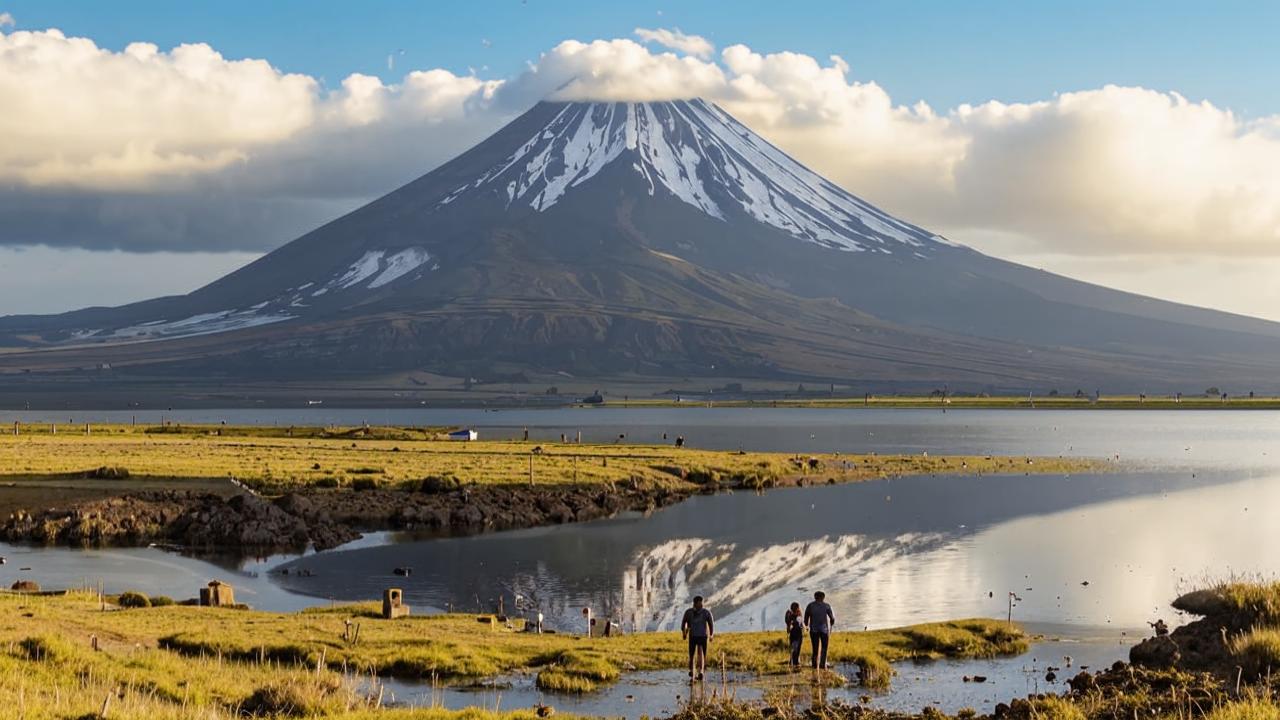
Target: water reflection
886,552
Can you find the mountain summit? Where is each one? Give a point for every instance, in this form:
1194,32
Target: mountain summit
652,240
694,152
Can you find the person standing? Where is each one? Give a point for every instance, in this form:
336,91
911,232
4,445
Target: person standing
698,627
795,632
819,619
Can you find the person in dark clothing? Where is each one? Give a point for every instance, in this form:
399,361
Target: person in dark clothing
819,619
698,626
795,632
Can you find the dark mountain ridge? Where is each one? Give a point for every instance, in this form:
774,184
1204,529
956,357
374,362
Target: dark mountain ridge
655,240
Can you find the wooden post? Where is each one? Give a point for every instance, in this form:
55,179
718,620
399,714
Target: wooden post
530,469
86,428
53,428
15,428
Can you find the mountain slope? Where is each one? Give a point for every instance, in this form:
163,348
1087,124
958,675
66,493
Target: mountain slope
654,239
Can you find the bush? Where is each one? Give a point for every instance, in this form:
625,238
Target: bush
302,696
326,482
109,472
45,648
439,484
1257,651
133,599
1242,604
25,586
366,471
572,672
162,601
364,483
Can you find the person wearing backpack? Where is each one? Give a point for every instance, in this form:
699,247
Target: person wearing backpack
795,632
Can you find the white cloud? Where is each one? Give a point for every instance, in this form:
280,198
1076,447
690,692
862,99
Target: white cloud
674,39
612,70
6,20
1113,170
78,113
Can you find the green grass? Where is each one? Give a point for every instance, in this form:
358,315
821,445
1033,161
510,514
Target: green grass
217,662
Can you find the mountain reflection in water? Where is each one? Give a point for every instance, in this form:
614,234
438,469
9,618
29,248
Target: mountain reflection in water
886,552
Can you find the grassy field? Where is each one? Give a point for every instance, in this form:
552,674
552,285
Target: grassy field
266,457
188,662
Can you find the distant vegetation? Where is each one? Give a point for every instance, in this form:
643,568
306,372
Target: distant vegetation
413,459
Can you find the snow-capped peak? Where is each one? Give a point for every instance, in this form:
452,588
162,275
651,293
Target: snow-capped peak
701,155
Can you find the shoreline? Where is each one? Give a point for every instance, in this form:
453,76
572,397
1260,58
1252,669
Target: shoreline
500,403
252,490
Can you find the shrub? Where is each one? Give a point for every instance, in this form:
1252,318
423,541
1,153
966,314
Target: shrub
573,672
367,471
133,599
364,483
45,648
25,586
109,472
1244,604
326,482
162,601
439,484
301,696
1258,651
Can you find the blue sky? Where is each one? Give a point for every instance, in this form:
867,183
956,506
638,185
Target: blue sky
944,53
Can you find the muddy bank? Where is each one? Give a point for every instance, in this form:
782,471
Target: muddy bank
255,524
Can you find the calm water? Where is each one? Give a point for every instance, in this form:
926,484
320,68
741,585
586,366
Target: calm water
939,683
1227,437
1201,503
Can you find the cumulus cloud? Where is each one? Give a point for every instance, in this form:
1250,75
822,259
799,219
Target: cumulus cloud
6,20
78,113
674,39
145,148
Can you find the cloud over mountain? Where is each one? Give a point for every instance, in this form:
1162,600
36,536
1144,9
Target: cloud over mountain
689,44
185,149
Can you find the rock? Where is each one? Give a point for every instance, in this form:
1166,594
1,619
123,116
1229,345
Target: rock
1157,652
26,586
1082,682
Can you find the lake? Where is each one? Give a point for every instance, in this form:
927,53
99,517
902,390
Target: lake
1095,555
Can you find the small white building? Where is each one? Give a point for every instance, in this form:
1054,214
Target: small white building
466,435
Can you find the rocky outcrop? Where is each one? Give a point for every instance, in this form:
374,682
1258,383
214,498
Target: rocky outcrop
201,520
322,518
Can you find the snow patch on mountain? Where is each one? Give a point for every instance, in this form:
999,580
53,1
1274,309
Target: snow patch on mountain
382,267
705,158
201,324
360,270
400,264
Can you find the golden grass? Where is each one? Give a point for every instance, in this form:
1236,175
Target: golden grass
1245,602
267,459
1253,708
181,661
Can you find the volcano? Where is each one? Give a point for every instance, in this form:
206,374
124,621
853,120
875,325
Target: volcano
660,240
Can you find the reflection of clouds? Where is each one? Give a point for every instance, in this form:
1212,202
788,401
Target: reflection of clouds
1137,553
751,587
